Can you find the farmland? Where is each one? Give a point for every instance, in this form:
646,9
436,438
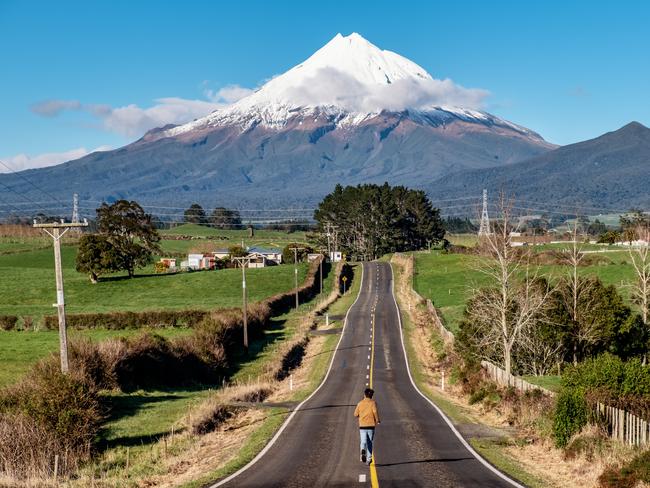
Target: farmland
448,279
220,238
27,290
19,350
27,282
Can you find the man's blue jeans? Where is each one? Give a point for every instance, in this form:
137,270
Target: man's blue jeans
367,435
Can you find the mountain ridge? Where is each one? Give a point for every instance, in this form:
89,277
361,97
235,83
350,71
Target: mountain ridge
611,171
286,143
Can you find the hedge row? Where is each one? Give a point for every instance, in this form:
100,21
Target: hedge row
279,304
129,320
606,379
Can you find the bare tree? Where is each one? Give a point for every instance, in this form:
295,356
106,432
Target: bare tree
576,293
517,296
640,258
539,351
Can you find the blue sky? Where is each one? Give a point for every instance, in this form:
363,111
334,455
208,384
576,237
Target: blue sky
568,70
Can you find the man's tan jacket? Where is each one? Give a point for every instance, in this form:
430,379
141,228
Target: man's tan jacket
367,412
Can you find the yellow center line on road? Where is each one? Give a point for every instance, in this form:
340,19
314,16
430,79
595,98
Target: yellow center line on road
372,348
374,481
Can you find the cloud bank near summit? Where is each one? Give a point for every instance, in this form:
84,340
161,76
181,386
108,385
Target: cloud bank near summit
327,85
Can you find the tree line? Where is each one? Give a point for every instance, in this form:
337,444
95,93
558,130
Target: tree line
367,221
220,217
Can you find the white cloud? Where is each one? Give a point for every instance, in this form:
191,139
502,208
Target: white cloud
52,108
228,94
331,86
23,161
132,120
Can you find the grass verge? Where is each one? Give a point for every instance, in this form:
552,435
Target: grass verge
275,417
455,412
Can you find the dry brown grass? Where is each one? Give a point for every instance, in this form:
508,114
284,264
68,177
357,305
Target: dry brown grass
581,468
19,231
517,416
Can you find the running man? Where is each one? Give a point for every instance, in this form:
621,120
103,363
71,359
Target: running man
366,411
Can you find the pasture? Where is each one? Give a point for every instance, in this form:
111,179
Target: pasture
27,286
448,279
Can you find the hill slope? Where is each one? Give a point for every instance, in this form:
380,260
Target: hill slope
609,172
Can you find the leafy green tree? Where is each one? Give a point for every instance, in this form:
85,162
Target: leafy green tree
288,253
96,256
195,215
130,231
459,225
224,218
610,237
368,221
598,323
237,251
596,228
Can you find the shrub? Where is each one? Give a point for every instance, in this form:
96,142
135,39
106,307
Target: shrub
292,358
636,379
217,416
628,476
8,322
571,415
610,380
48,413
130,320
150,361
26,448
91,361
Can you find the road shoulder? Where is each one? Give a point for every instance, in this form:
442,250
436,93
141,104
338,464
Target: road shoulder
422,345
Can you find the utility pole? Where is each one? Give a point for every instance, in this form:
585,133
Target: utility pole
322,261
329,228
329,250
295,268
56,231
244,261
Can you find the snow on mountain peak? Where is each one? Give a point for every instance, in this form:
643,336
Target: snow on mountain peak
350,77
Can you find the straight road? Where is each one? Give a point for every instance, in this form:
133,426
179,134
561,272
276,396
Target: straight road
414,445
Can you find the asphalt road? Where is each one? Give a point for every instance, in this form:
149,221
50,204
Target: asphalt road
414,446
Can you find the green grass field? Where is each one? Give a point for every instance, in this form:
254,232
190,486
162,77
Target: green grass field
19,350
226,238
27,286
448,279
551,382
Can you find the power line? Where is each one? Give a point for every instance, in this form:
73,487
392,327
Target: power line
28,181
19,194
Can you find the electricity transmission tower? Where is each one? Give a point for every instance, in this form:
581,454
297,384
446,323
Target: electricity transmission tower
75,208
56,231
484,228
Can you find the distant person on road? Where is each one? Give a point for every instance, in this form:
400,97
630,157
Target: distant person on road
366,411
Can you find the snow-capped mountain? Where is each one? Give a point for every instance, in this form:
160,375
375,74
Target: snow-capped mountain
351,113
349,80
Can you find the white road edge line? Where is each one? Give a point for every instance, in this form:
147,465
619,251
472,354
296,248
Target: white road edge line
442,414
286,422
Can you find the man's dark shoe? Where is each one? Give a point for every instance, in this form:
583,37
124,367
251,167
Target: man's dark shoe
363,455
